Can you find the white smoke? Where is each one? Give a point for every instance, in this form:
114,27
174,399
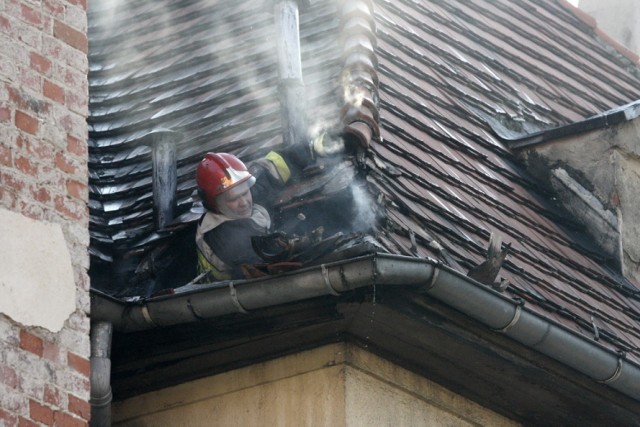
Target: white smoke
365,216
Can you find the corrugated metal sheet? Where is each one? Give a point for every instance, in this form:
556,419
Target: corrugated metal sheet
437,171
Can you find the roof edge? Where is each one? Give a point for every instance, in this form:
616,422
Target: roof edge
593,24
428,276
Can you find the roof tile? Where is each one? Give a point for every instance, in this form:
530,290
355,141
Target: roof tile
418,82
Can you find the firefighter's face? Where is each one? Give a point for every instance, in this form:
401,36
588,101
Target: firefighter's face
236,202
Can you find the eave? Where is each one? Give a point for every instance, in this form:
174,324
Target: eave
419,312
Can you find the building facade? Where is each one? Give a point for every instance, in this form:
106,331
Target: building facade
618,18
44,308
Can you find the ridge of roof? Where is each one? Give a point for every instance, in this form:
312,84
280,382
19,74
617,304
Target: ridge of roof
359,78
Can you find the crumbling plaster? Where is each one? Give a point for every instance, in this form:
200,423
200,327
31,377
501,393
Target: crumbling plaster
628,190
605,165
36,279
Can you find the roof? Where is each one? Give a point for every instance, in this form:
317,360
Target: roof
438,176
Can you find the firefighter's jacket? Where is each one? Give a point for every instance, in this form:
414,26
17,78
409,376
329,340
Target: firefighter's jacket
224,244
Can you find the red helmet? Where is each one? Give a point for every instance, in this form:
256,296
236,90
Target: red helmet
217,173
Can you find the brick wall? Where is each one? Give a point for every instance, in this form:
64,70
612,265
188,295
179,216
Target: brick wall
44,375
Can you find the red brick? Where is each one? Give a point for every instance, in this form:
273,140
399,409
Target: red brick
73,78
26,122
31,343
24,165
40,413
7,418
24,101
82,3
62,164
5,24
23,422
76,146
33,146
76,189
42,195
31,15
61,207
79,407
52,395
15,96
79,364
54,8
53,91
9,377
6,157
29,210
39,63
31,79
10,181
62,419
71,36
5,114
78,102
52,352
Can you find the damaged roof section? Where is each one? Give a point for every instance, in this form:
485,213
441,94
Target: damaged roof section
428,79
448,182
206,70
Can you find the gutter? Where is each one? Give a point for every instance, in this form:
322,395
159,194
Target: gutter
193,303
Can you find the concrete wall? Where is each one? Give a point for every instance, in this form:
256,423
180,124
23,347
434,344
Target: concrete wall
336,385
597,177
618,18
44,299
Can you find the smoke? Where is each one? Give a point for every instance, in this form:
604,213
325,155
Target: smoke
353,95
364,218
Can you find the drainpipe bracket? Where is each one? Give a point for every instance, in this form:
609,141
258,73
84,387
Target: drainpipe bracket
516,316
514,320
434,278
147,316
616,373
327,281
102,400
235,300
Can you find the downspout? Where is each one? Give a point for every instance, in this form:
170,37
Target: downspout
480,302
290,71
101,396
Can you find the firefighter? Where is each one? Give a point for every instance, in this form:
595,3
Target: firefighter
223,237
